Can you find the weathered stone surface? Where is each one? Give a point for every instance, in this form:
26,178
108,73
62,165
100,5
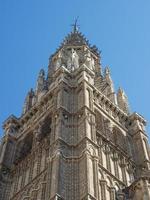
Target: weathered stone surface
74,141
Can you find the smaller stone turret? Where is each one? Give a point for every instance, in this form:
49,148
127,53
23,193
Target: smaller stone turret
41,86
29,101
123,101
40,81
110,89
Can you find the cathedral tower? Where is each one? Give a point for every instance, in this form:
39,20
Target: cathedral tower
76,138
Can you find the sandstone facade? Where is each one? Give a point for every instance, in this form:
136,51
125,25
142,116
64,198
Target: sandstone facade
76,138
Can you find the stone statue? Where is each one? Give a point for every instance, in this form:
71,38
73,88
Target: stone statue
73,60
59,60
89,61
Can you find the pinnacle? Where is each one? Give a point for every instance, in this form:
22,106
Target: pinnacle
107,70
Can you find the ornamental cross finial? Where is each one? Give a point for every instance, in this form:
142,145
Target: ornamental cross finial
75,25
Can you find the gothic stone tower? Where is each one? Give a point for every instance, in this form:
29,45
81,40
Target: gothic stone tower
76,138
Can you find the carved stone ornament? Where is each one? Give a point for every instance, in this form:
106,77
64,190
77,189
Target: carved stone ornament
89,61
58,62
73,60
67,144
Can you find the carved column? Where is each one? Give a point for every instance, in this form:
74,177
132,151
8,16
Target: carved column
48,180
90,174
57,130
120,195
112,193
53,127
31,170
107,152
115,159
12,185
46,156
103,184
44,194
16,181
3,148
55,174
23,175
100,150
123,169
39,160
96,177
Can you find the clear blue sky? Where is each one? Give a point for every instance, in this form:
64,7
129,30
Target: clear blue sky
31,30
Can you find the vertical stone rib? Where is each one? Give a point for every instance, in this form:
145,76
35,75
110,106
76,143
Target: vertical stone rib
103,189
48,180
39,160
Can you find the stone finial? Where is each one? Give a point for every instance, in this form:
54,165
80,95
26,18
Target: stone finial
111,91
123,101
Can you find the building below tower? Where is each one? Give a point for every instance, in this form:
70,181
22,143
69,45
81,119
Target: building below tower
76,138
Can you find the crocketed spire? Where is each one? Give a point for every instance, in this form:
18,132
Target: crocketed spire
76,38
110,89
123,101
29,101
